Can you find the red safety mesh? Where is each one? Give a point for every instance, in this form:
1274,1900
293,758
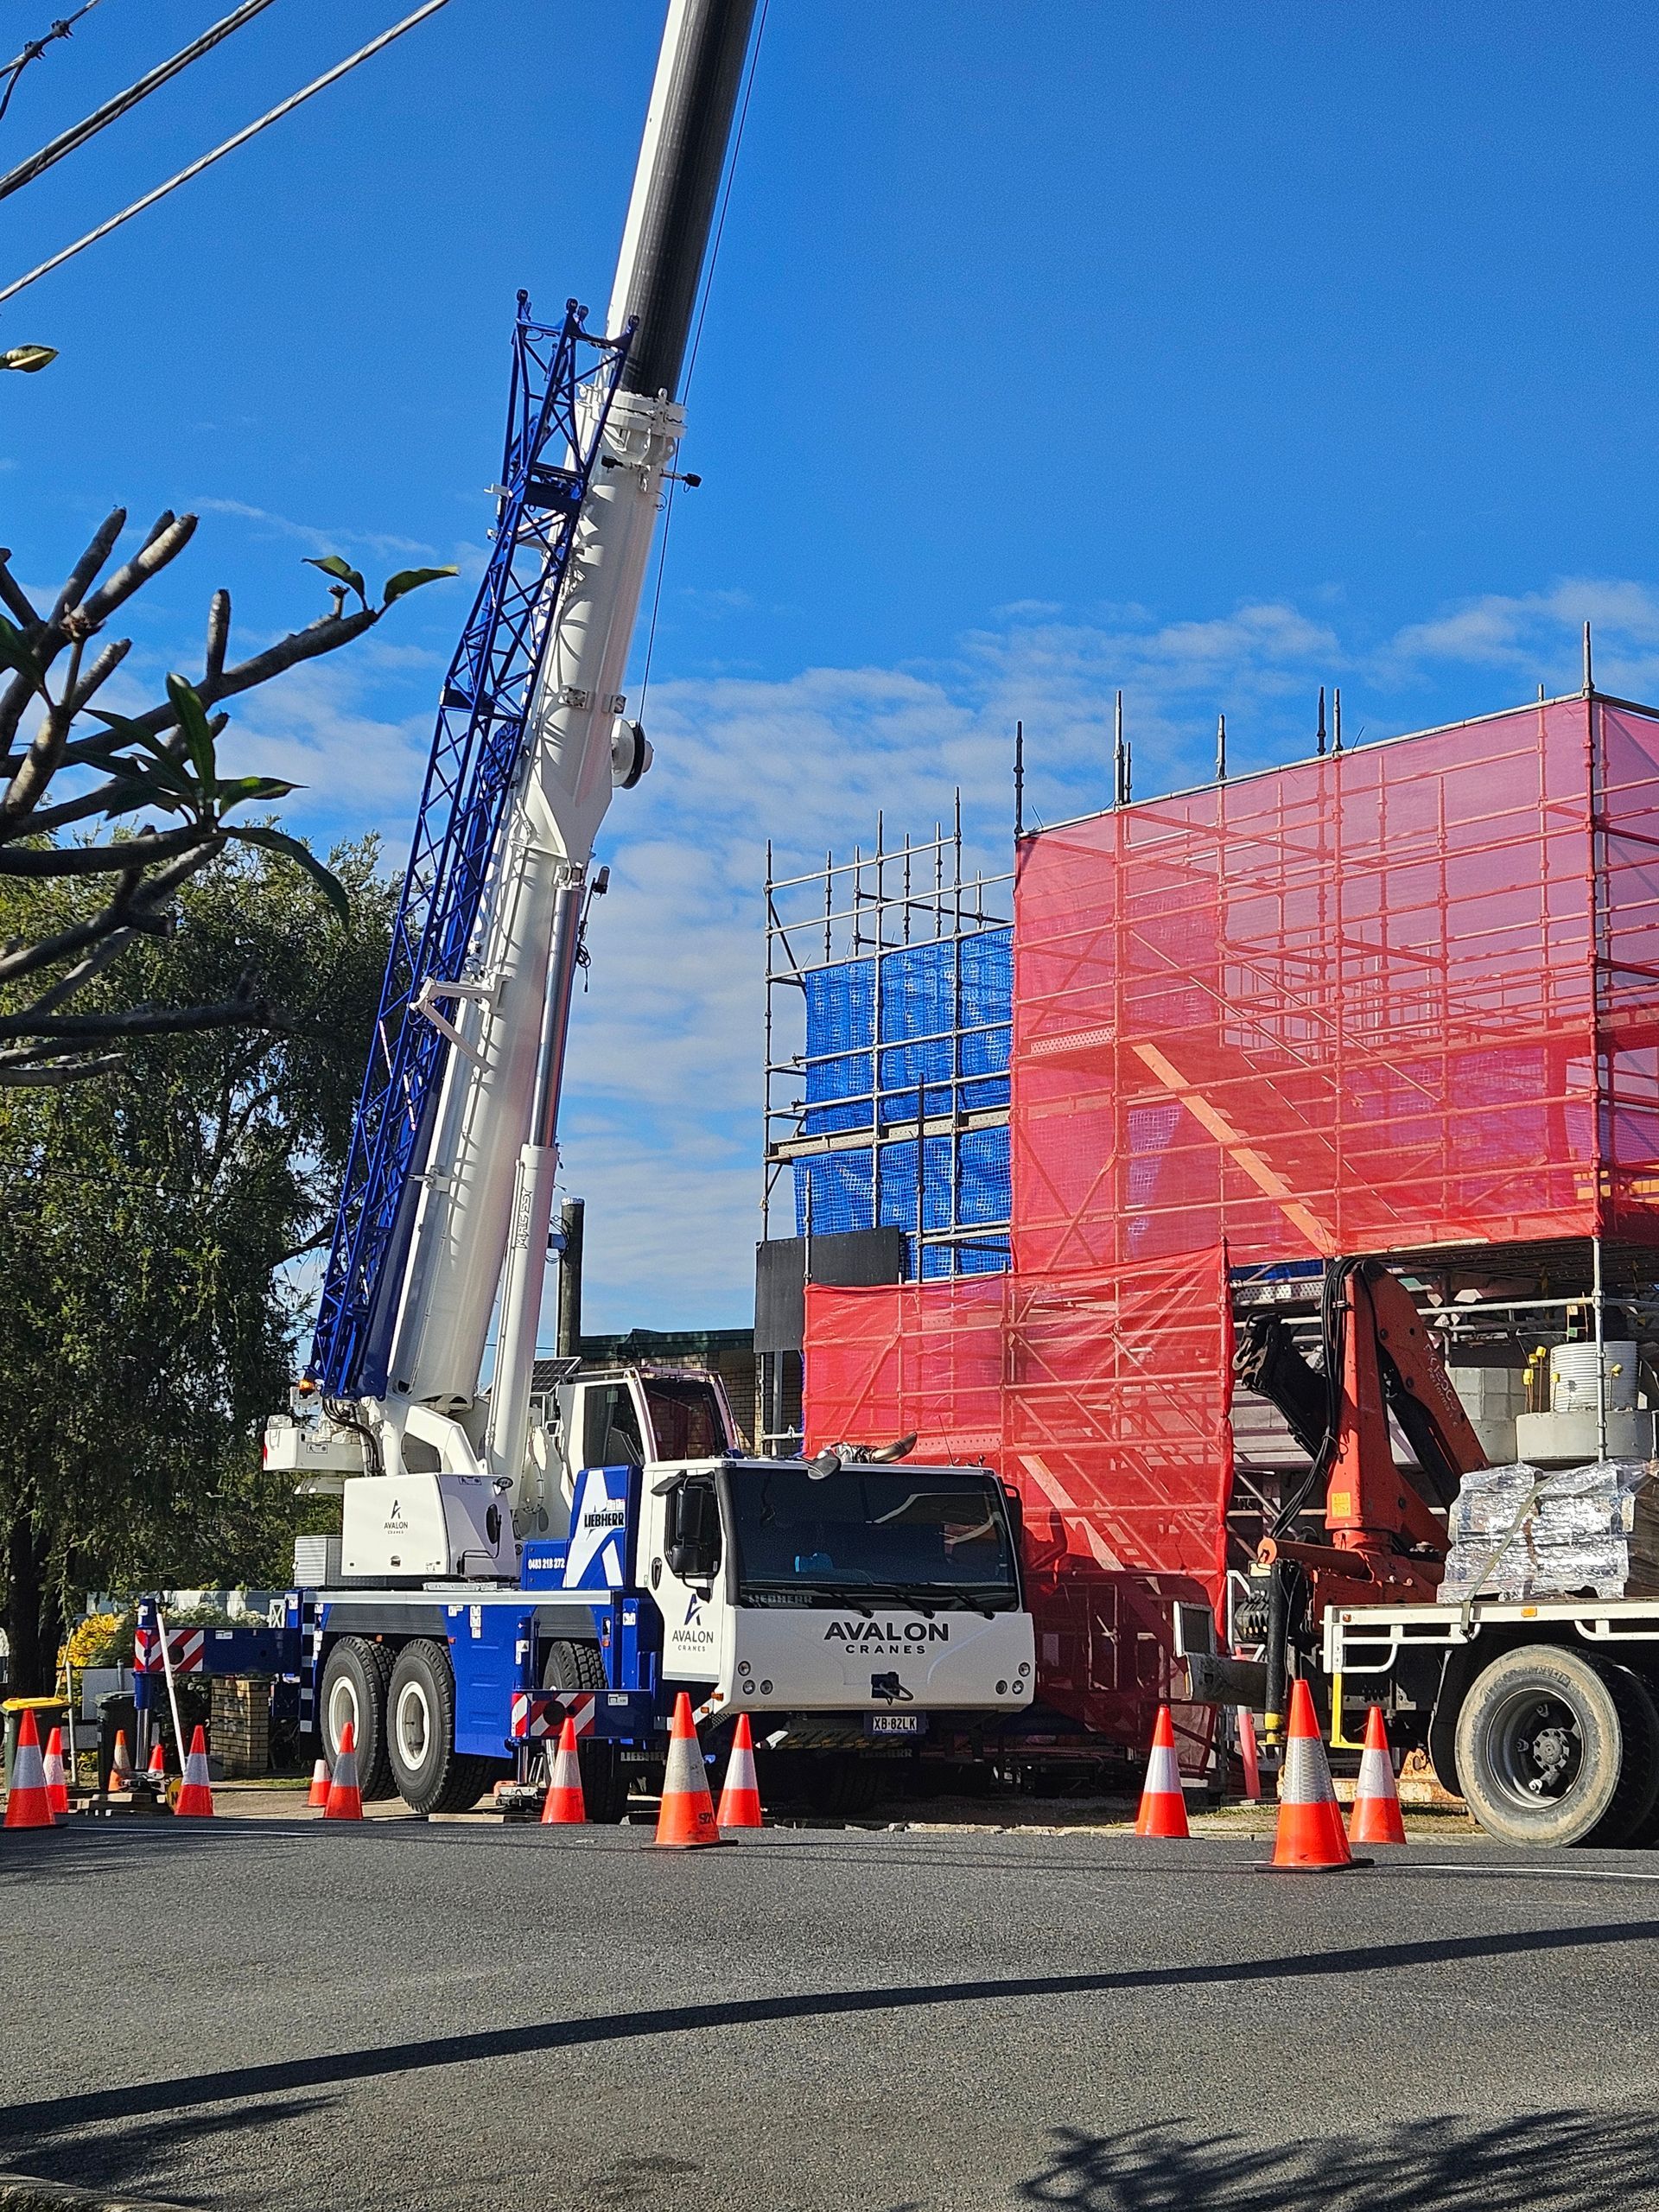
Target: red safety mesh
1408,996
1350,1005
1627,852
1103,1398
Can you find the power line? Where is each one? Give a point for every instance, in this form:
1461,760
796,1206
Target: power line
112,110
35,48
250,130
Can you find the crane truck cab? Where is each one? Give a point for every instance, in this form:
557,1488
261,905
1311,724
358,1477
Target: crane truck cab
879,1592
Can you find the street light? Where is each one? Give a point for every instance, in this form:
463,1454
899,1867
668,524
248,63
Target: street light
28,358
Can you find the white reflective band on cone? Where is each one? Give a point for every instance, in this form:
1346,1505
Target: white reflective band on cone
1163,1772
1306,1779
1375,1776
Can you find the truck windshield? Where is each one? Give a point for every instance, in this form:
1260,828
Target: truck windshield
931,1535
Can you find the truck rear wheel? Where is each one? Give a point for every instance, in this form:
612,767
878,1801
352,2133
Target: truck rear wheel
354,1678
572,1666
843,1785
1554,1749
431,1775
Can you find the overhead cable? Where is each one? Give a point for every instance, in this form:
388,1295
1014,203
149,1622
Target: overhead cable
112,110
37,46
250,130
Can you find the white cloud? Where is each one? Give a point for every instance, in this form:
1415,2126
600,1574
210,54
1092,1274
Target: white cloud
661,1130
320,540
1537,637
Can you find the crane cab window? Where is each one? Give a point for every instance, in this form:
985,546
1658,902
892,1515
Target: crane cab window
685,1417
610,1427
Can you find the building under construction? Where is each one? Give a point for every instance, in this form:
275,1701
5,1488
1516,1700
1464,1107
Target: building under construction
1401,1001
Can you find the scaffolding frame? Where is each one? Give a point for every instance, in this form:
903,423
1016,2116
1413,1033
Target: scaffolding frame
872,907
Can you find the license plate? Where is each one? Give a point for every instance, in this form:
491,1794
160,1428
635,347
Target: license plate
895,1724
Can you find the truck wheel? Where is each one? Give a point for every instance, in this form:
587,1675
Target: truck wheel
355,1681
843,1785
431,1775
571,1666
1643,1725
1553,1749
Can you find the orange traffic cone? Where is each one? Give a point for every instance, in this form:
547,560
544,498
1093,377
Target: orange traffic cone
1163,1807
195,1791
25,1803
687,1814
57,1784
1248,1757
563,1803
1376,1817
121,1765
345,1798
1310,1833
739,1801
157,1768
319,1791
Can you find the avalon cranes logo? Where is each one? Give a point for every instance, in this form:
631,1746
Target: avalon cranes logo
693,1633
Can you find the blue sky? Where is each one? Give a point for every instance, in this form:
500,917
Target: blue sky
1211,352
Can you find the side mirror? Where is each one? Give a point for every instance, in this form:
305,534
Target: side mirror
692,1532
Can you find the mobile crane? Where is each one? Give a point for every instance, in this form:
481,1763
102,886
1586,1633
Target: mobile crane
494,1572
1542,1716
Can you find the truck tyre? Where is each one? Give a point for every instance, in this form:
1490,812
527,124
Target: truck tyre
844,1785
354,1678
1554,1749
431,1775
571,1666
1645,1723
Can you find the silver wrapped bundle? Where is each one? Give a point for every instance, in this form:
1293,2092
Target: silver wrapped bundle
1518,1532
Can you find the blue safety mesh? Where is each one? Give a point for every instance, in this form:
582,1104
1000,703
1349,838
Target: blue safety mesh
940,1043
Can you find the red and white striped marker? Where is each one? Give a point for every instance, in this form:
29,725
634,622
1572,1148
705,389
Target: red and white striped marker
26,1805
57,1782
345,1799
739,1801
1310,1835
1376,1817
1163,1804
196,1791
563,1804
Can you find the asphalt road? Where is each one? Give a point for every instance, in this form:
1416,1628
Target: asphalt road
275,2014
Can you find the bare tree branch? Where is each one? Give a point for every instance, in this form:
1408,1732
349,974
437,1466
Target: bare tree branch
148,1021
25,1070
12,593
167,538
219,636
83,972
98,552
45,755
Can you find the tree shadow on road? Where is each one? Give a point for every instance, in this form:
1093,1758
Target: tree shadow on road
1579,2160
145,2155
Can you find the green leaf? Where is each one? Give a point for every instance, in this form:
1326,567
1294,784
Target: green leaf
131,732
15,652
127,794
278,841
408,580
341,571
239,791
193,720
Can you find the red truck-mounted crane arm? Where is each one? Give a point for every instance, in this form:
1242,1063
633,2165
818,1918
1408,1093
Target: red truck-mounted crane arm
1386,1537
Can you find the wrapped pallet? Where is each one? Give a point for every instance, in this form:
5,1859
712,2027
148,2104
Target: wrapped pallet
1519,1532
